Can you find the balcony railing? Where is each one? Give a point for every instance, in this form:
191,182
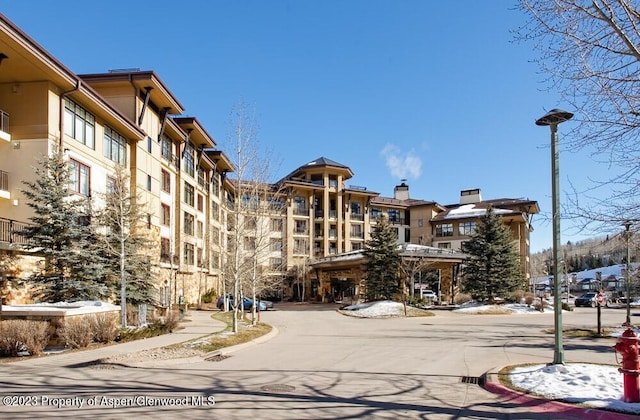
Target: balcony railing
357,216
10,232
300,212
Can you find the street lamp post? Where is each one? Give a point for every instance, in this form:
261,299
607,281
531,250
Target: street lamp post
627,277
552,119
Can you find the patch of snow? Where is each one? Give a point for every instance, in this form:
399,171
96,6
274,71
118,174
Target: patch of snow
514,308
597,386
376,309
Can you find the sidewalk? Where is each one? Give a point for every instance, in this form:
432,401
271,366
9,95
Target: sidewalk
195,325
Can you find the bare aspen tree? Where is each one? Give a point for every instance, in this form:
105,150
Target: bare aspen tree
126,243
590,54
248,238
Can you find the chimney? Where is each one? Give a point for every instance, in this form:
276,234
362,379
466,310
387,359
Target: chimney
470,196
401,192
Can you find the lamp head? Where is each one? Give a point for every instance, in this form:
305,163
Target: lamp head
554,117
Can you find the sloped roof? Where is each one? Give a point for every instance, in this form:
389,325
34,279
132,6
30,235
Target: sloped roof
323,161
320,163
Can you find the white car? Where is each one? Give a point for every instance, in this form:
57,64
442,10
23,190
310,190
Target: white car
429,295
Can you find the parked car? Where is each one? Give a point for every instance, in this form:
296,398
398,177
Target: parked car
588,299
247,303
267,303
429,295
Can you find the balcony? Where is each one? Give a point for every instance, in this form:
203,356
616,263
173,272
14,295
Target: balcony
300,212
4,126
357,216
397,221
10,232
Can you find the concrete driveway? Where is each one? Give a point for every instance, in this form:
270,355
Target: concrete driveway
321,365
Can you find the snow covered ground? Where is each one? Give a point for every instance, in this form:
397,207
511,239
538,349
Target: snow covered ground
597,386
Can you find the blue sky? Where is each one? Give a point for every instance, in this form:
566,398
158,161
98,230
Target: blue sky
435,92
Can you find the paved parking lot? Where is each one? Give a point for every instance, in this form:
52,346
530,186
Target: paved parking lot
320,365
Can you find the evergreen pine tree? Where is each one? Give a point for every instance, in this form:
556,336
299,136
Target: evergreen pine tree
383,262
59,233
126,244
493,265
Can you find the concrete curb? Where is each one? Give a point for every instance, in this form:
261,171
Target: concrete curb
560,410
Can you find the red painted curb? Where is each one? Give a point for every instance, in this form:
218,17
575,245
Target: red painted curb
557,408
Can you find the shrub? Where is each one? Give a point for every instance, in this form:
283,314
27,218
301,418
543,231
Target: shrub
76,332
157,327
462,298
104,327
18,335
210,296
529,298
516,296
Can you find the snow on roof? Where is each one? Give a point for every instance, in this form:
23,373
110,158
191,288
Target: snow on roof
470,210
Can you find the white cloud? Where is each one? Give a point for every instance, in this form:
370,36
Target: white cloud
402,165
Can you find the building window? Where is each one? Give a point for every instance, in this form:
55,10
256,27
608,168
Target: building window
166,215
189,254
114,146
275,263
275,245
188,223
444,245
200,229
166,148
165,249
357,232
300,246
188,159
215,211
376,213
301,226
79,124
300,206
466,228
215,259
148,182
445,229
355,246
166,181
215,236
111,185
420,222
356,208
200,202
202,177
249,243
149,144
189,194
276,225
215,184
394,215
79,177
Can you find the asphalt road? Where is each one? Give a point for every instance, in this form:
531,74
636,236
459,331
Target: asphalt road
323,365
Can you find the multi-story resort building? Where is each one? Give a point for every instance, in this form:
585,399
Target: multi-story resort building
316,225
